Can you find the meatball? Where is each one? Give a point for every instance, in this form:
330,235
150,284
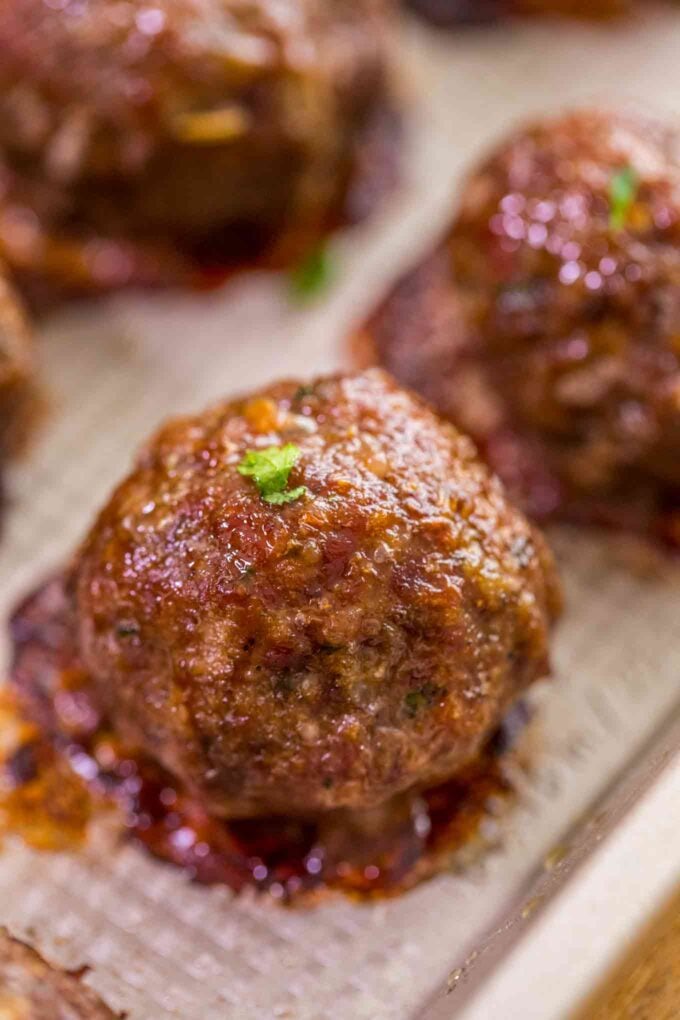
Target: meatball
354,632
140,141
559,351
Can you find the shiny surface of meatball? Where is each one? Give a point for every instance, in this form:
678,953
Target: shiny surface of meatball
548,324
135,137
361,639
578,297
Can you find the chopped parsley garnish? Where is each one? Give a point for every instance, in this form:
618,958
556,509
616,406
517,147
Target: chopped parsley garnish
312,275
270,470
622,191
277,498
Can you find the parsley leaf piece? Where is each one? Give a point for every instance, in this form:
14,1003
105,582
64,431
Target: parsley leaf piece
312,275
270,470
277,498
622,191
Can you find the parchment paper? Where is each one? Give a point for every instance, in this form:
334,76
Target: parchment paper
158,946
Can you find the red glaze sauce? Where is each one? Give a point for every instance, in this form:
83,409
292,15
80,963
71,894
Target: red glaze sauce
63,768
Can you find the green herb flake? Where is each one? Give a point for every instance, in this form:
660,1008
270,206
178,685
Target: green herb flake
622,191
289,496
312,275
270,470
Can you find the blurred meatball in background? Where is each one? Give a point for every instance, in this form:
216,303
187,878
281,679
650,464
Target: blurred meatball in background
547,324
359,631
142,142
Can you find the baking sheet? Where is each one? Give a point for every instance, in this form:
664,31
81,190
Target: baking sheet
157,945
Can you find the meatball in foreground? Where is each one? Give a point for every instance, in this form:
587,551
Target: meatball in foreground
140,142
561,284
310,598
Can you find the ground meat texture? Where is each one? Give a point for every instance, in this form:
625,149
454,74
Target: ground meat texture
139,139
562,281
360,640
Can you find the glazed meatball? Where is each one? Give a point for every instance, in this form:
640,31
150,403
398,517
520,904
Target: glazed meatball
138,141
357,632
559,350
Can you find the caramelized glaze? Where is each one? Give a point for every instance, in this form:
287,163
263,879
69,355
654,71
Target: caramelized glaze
62,768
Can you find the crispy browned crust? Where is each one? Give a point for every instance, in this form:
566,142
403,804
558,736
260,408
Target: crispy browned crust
32,989
155,145
328,653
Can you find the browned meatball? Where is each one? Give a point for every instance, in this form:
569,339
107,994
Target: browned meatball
137,139
559,348
363,637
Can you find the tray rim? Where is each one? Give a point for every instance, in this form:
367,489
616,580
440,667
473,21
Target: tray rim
601,852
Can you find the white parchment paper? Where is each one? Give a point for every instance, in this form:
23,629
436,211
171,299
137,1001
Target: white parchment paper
157,945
